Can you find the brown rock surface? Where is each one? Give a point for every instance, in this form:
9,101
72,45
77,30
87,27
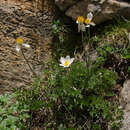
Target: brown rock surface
103,10
20,18
125,102
64,4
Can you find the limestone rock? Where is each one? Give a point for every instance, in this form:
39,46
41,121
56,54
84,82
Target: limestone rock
23,19
64,4
103,10
125,102
125,92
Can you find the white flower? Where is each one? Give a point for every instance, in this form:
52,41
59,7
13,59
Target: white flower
74,88
19,43
81,27
88,20
80,22
66,62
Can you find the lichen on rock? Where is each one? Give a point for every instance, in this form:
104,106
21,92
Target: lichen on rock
20,18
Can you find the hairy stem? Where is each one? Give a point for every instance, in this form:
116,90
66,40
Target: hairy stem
82,36
88,57
28,63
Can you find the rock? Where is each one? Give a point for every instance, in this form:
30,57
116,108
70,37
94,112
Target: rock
21,19
125,92
103,10
125,102
64,4
79,9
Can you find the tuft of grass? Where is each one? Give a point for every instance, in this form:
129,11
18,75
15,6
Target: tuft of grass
115,33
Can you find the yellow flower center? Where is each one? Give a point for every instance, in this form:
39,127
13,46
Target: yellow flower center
66,63
80,19
87,21
19,40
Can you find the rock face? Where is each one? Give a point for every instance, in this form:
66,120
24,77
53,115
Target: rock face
25,20
103,10
64,4
125,101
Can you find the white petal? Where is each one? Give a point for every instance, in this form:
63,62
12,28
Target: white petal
61,65
77,22
90,16
92,23
62,60
74,88
83,28
66,66
26,45
67,58
71,60
18,48
87,26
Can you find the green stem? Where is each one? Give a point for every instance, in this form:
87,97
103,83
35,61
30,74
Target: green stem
28,63
88,57
89,36
82,36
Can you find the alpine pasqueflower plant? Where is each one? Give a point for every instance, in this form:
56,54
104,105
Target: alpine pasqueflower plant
19,43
